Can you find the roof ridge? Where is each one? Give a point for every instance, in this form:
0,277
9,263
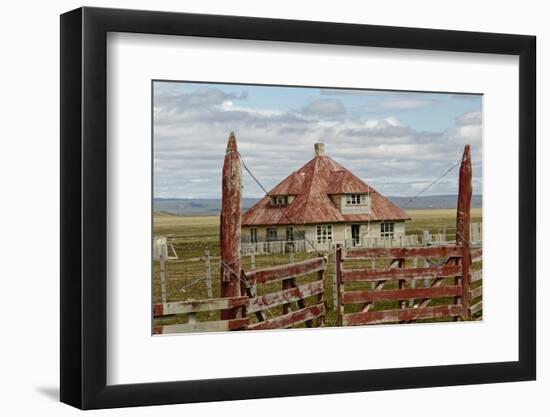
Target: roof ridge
309,188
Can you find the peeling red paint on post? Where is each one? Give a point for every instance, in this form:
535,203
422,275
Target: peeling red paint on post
158,310
339,286
230,225
463,225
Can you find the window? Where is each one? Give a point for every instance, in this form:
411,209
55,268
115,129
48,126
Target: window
355,199
324,233
271,233
279,200
386,230
290,234
253,236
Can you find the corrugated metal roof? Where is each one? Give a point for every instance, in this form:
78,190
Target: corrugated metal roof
312,185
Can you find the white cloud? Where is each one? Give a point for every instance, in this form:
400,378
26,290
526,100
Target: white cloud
324,107
191,130
470,118
469,129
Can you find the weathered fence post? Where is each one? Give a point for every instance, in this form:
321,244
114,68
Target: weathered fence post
426,280
160,253
286,285
208,271
162,262
338,266
252,261
373,267
321,296
402,283
413,281
230,226
334,283
463,226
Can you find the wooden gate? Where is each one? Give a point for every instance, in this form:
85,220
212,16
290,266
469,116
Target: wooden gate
278,309
388,288
264,307
397,289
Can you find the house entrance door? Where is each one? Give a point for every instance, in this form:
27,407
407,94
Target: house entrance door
355,237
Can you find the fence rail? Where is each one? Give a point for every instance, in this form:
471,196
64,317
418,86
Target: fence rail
284,272
190,308
286,307
413,303
290,293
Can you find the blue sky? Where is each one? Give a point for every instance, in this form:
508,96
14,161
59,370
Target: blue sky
397,141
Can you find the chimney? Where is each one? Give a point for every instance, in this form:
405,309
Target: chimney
319,149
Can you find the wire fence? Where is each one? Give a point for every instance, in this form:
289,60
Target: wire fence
188,277
187,268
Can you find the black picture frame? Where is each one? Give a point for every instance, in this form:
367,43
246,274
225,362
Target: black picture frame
84,207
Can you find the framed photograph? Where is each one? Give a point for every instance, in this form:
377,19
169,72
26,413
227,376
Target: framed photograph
258,208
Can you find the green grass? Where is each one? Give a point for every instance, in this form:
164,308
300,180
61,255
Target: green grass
193,235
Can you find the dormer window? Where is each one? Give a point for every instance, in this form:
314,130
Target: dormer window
279,200
354,203
356,199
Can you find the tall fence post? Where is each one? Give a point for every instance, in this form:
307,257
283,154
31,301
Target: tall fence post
230,226
162,262
208,271
160,253
338,267
413,281
334,283
463,226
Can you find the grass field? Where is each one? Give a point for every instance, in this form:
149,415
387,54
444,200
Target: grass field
193,235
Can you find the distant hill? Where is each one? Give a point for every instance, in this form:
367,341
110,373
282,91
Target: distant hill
211,206
432,202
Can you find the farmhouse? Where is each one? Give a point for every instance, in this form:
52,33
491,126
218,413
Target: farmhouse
323,204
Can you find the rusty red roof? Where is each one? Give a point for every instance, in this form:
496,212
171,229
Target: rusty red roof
312,185
292,185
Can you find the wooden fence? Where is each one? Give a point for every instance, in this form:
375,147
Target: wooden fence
372,285
258,310
403,291
476,280
191,308
265,306
391,287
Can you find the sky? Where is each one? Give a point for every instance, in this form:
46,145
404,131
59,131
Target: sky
398,142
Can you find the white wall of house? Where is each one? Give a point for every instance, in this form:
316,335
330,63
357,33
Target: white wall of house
261,232
364,207
340,234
